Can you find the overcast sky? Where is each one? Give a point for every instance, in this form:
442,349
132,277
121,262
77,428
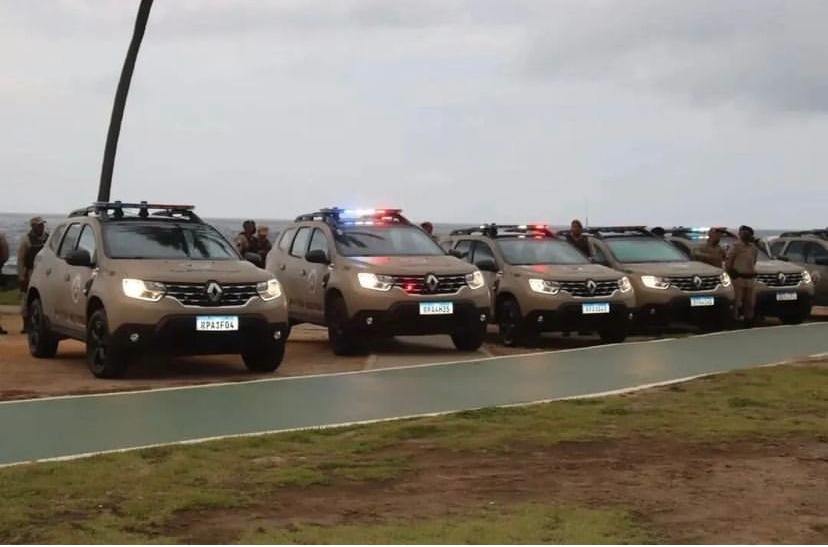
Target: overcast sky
654,112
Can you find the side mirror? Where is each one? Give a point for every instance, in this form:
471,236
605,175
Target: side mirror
255,258
486,265
79,257
821,261
457,254
317,256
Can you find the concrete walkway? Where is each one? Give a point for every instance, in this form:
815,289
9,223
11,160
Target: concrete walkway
71,426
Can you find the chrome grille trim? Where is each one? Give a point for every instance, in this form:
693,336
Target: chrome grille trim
579,288
415,284
772,280
685,282
195,294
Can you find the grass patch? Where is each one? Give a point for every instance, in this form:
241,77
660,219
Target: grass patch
10,297
521,524
132,497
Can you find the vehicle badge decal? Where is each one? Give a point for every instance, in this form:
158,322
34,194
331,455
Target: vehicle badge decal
432,283
782,278
697,282
591,286
214,292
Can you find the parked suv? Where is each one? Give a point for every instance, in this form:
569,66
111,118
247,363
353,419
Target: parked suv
783,290
668,286
366,273
809,249
540,283
160,279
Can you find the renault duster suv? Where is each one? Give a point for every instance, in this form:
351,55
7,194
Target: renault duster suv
541,284
809,249
782,289
668,286
366,273
158,280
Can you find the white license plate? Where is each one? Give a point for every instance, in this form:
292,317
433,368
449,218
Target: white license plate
217,323
701,301
786,296
595,307
436,308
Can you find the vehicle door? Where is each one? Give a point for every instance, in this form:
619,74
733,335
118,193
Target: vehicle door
296,273
61,277
80,280
318,275
276,260
816,257
482,251
47,272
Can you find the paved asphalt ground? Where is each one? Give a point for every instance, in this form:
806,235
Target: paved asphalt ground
71,426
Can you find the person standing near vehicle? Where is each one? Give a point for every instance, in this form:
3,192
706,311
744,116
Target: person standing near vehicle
711,252
428,228
4,257
30,245
246,242
741,266
577,238
263,242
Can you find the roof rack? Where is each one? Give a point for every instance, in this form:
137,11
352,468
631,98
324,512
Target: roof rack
114,210
817,232
356,217
506,230
613,231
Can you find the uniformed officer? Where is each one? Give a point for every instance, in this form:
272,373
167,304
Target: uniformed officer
577,238
30,245
246,242
263,241
4,257
711,252
741,266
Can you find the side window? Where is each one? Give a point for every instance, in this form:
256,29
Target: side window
69,240
287,239
300,243
464,247
796,251
598,253
87,241
319,241
482,251
54,239
683,247
816,252
776,247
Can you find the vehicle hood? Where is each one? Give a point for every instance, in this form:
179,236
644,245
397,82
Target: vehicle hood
197,271
672,268
776,266
409,265
568,272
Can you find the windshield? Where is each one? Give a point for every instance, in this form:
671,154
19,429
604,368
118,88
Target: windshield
166,241
521,252
644,250
385,241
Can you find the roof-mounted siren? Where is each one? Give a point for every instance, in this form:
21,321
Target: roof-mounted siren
357,217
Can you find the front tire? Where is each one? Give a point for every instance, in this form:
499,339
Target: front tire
511,325
343,340
614,333
794,318
266,357
470,340
102,358
43,343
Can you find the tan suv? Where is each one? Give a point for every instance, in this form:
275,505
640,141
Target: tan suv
161,279
668,286
783,290
365,273
540,283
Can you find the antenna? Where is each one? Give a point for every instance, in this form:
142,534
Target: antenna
120,100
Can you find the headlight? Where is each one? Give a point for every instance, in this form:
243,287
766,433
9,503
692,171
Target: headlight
270,289
654,282
544,286
806,277
725,279
151,291
624,284
375,282
475,280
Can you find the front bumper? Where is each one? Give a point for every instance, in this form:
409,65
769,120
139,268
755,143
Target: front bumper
768,306
570,317
678,309
403,318
177,335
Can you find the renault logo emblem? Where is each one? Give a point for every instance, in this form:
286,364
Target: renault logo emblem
432,283
782,278
591,286
697,282
214,292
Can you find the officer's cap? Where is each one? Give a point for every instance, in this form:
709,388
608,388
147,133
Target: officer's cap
35,221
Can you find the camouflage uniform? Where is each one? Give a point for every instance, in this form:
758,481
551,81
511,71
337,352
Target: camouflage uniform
741,265
30,245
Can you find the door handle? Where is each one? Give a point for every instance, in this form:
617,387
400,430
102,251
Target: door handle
282,267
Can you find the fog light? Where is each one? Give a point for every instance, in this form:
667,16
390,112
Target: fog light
277,335
134,337
652,311
482,317
540,319
369,321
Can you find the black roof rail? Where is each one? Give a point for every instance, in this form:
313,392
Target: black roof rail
114,210
505,230
816,232
337,215
613,231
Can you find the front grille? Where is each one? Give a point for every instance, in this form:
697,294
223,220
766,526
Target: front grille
582,288
780,279
689,283
417,284
195,294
